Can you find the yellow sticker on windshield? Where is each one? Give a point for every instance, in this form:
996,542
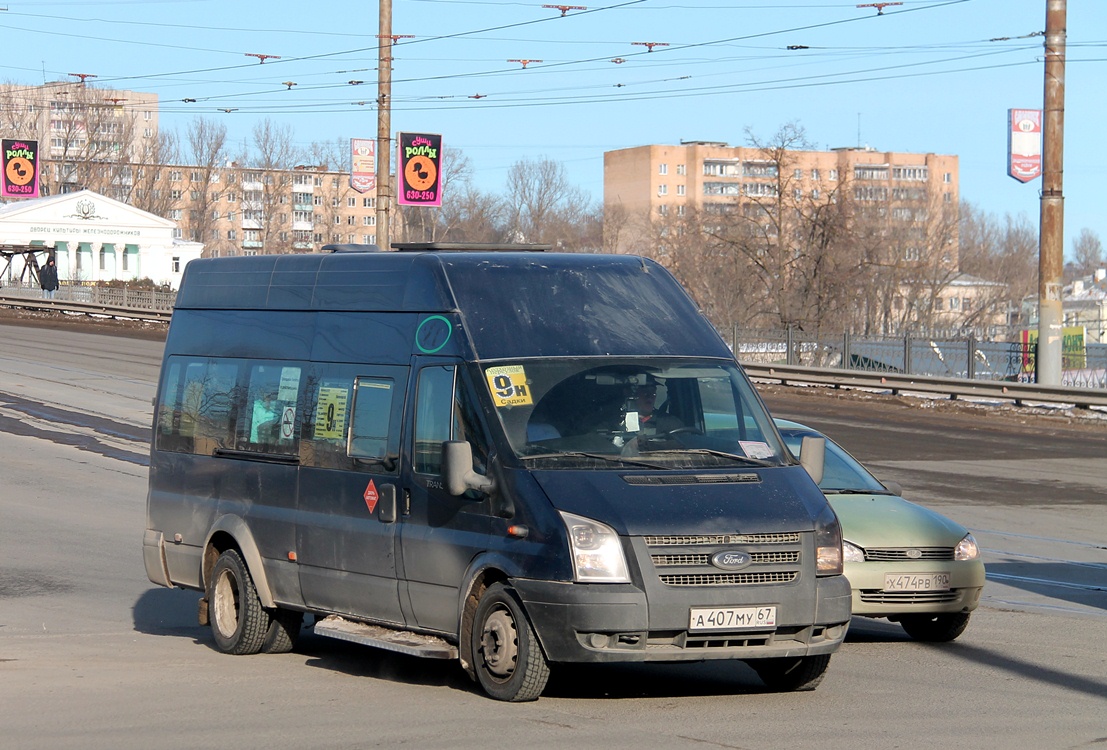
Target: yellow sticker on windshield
508,385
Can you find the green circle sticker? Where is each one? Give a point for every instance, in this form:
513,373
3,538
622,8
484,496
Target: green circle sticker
432,334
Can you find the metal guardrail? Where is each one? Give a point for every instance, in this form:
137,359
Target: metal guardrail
1018,393
94,309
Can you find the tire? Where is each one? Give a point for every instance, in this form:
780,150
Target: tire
792,674
935,628
507,658
238,621
283,632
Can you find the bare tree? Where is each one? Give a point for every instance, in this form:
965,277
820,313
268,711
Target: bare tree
1087,253
150,192
207,154
266,164
542,206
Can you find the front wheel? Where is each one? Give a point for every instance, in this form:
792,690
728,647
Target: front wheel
792,674
507,659
935,628
238,621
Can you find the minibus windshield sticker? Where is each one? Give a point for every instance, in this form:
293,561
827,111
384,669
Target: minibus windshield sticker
756,449
509,385
330,415
288,423
432,334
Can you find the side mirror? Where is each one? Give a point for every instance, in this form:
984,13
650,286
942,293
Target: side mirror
894,487
457,469
812,456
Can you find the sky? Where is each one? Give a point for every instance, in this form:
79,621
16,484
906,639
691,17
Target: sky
926,76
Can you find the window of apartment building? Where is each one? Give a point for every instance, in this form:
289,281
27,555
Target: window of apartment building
146,115
334,183
870,172
368,239
832,174
798,174
175,213
966,304
815,193
663,169
283,199
662,189
680,189
174,175
334,202
316,219
680,210
369,221
351,202
337,219
232,234
947,177
175,194
230,216
680,169
147,133
721,188
318,182
916,174
760,169
177,234
230,178
954,303
283,236
947,197
251,235
908,194
230,252
176,263
214,235
317,200
231,197
214,178
759,189
719,168
368,203
939,304
815,175
215,214
797,194
301,179
336,237
301,235
870,193
301,198
195,177
301,215
194,235
351,220
910,253
662,209
194,195
318,237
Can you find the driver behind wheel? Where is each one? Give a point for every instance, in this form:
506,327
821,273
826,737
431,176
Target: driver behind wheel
642,416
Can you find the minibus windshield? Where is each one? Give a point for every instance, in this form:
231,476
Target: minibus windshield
619,413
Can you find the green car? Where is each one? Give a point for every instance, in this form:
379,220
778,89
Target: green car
903,561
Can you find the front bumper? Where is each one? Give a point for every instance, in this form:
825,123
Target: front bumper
871,600
600,623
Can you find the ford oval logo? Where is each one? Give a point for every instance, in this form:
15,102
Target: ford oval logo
731,560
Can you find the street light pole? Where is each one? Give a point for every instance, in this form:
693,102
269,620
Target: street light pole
1051,238
384,124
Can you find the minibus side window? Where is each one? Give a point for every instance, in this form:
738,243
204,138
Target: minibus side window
372,410
445,411
268,421
197,410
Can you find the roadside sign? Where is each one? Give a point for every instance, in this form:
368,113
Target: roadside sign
418,165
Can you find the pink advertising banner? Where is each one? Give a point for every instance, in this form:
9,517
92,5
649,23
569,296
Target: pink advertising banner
363,164
1024,144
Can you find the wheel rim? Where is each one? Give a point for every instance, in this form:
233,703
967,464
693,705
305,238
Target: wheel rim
500,643
224,605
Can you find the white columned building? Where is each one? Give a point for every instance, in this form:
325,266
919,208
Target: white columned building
96,238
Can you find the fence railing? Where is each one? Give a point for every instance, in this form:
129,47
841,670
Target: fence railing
138,299
1004,358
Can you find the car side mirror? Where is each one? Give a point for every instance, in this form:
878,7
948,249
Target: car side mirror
813,456
894,487
457,469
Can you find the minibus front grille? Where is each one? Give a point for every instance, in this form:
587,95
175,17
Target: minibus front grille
716,540
728,579
758,558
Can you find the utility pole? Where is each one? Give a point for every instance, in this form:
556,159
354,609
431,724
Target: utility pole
1051,238
384,124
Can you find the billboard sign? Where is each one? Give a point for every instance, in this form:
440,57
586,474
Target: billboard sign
418,166
1024,144
20,178
363,164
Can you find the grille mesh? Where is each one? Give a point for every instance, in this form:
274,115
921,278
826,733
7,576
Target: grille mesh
758,558
893,554
727,579
718,539
909,597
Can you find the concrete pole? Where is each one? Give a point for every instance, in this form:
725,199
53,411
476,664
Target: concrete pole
1051,247
384,125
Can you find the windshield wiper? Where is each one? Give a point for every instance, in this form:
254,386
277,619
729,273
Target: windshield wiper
720,454
851,491
600,456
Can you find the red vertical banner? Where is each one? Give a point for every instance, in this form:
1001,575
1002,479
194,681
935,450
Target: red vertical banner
418,166
20,178
1024,144
363,164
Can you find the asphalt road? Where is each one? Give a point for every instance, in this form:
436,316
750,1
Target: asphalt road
94,656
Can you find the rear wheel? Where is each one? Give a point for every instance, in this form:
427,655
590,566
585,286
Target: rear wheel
790,674
238,621
507,659
935,628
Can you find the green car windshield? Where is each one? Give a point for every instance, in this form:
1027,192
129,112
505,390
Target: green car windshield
596,414
842,473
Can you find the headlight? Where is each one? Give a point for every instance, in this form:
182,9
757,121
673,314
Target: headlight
852,553
828,544
597,553
966,549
